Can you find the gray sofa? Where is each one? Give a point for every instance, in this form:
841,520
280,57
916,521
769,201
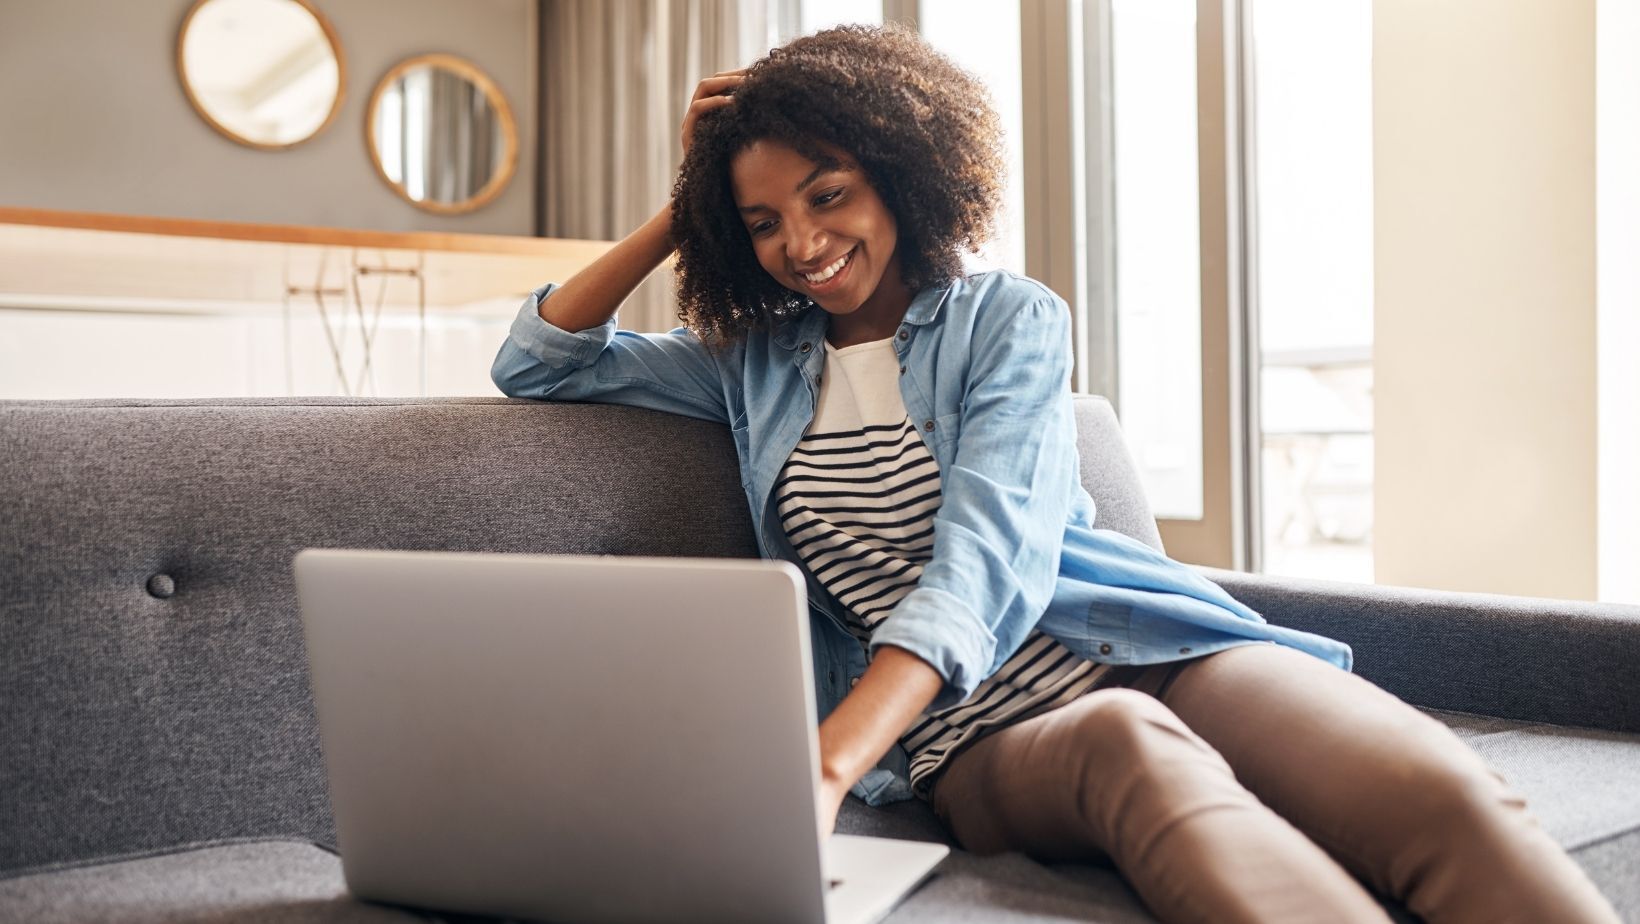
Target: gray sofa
160,759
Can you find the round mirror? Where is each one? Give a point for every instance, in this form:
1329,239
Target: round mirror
266,73
441,134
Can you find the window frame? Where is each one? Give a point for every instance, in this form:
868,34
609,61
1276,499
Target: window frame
1070,244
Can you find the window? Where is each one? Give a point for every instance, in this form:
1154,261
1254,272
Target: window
1157,247
982,36
1311,133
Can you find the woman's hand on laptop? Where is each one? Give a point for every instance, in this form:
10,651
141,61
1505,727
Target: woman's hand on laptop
894,690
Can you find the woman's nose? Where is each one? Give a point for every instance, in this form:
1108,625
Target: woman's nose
805,243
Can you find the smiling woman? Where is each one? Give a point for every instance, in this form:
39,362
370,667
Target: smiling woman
824,231
906,437
899,156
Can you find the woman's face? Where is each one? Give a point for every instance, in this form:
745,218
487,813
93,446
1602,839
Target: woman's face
823,233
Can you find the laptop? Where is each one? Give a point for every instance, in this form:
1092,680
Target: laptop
581,738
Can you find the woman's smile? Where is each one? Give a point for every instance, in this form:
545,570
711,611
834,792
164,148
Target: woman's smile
830,277
821,230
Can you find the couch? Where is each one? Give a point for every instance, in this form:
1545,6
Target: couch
160,760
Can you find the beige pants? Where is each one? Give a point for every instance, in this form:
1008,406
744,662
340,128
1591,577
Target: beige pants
1260,784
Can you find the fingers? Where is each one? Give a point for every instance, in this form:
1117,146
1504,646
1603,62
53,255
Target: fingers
712,86
712,93
709,103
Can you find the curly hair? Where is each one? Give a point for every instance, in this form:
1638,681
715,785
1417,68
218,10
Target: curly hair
922,130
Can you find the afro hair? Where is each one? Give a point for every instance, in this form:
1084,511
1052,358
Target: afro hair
923,130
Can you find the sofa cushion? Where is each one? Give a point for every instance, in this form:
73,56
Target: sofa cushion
254,882
154,688
1584,787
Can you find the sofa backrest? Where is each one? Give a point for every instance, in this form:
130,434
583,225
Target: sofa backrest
153,682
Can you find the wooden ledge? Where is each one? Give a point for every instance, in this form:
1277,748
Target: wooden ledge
305,234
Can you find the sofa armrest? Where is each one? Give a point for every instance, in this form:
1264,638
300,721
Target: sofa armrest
1557,661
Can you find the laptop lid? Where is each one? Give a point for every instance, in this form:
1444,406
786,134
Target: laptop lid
568,737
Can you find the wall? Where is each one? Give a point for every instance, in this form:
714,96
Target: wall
1618,202
1484,333
93,117
92,354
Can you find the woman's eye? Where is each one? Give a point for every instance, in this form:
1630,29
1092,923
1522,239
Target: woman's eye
827,198
762,226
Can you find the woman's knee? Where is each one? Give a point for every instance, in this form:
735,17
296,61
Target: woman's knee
1437,792
1464,796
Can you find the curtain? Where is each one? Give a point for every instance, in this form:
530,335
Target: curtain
459,150
616,80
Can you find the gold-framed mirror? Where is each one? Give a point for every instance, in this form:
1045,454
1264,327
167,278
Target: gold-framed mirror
268,74
441,134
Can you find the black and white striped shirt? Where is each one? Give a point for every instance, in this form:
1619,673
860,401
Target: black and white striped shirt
857,499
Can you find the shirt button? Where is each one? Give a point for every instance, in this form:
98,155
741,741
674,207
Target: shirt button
853,682
1105,648
905,334
928,425
831,677
804,348
902,370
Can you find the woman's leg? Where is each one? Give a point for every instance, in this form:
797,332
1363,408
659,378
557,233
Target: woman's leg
1390,792
1115,775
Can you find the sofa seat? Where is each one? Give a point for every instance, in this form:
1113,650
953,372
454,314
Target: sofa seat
1583,786
257,882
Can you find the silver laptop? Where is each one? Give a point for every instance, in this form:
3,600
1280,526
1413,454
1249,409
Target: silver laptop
581,738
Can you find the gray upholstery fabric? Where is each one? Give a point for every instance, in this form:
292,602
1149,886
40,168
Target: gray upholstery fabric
1583,785
133,722
153,687
1109,475
1555,661
251,883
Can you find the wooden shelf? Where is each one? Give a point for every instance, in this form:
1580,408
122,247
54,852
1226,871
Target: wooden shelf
90,261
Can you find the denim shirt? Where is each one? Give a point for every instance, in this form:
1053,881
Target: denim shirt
985,374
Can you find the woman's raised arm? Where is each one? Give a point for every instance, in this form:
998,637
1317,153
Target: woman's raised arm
564,346
590,297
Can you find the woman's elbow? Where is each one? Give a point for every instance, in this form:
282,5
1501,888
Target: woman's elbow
517,374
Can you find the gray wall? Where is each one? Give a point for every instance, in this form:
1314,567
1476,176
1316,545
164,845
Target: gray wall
93,118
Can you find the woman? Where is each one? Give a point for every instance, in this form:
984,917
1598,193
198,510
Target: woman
906,436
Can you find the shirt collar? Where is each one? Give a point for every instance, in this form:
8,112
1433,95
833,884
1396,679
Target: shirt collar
810,326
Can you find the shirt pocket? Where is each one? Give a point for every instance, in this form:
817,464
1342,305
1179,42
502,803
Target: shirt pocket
947,427
1109,633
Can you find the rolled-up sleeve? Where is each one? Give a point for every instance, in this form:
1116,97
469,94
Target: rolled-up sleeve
1005,500
672,372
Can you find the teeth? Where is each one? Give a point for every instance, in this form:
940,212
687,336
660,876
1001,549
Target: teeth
829,271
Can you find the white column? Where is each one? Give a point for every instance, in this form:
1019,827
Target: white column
1485,350
1617,205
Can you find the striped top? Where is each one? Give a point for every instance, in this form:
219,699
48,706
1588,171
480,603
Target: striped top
857,498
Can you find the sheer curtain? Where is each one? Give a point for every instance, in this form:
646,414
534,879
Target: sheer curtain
459,148
616,79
